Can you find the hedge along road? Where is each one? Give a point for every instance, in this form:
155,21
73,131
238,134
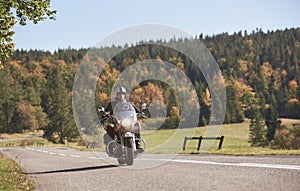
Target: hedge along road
68,169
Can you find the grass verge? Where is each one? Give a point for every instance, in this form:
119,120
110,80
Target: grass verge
36,141
11,176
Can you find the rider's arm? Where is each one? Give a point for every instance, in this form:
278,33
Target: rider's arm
109,108
135,108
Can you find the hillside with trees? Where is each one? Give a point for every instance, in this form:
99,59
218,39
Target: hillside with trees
261,72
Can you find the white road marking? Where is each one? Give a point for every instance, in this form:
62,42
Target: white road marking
61,154
75,156
257,165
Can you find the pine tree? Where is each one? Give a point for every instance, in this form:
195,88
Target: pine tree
9,100
272,119
234,112
58,108
257,136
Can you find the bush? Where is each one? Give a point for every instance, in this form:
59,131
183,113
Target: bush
26,142
81,143
292,109
287,138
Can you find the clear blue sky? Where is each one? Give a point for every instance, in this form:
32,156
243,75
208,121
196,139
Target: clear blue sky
82,23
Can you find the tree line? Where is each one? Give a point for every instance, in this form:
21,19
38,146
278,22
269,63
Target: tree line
261,72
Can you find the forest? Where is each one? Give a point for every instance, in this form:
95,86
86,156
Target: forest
261,72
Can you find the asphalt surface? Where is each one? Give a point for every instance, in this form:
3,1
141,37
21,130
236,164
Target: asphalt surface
19,138
69,169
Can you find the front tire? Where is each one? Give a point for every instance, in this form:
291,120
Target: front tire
129,151
121,161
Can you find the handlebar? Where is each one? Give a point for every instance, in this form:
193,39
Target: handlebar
142,115
107,114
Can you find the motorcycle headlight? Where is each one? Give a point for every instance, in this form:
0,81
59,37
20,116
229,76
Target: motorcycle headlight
126,122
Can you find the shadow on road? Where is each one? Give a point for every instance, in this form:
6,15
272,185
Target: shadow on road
73,169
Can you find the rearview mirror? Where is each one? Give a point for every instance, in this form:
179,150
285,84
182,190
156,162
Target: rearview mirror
101,109
144,105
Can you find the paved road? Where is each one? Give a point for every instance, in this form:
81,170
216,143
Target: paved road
19,138
69,169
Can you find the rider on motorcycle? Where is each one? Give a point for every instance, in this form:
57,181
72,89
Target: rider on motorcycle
122,97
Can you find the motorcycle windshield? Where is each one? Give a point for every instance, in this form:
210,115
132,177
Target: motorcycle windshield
124,110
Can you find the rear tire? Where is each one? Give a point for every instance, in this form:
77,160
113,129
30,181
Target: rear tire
129,151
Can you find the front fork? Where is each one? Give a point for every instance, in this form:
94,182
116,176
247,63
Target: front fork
129,135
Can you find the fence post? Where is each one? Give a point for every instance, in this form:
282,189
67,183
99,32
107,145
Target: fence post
199,143
184,143
221,142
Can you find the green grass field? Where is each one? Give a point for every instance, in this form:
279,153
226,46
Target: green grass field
235,142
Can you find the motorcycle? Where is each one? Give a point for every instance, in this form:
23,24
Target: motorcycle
122,129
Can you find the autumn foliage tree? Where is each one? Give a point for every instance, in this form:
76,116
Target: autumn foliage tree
258,68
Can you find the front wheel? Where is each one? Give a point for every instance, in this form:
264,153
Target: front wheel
121,161
129,151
